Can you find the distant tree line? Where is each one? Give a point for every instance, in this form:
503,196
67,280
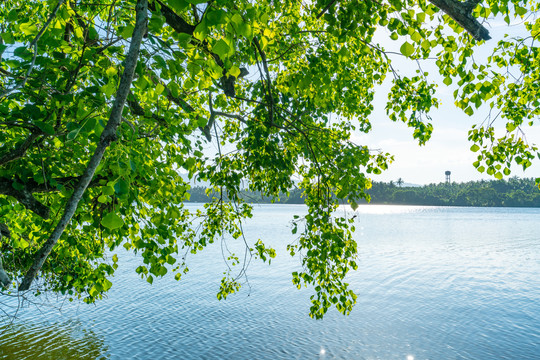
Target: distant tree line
514,192
202,194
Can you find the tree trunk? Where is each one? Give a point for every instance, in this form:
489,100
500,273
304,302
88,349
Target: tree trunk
107,137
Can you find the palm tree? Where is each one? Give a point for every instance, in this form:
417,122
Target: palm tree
399,182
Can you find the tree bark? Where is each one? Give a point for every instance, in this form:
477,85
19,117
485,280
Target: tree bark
23,196
107,137
461,12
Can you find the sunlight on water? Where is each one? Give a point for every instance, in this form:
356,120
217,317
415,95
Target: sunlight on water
387,209
410,357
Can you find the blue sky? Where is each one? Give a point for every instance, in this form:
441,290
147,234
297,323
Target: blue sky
448,148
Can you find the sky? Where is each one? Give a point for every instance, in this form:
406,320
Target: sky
448,149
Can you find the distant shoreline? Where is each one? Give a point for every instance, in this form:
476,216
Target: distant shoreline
511,193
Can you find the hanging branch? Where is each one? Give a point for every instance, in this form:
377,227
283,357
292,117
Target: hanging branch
107,137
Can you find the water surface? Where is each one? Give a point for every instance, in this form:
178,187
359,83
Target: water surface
433,283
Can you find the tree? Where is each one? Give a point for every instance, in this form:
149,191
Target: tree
90,159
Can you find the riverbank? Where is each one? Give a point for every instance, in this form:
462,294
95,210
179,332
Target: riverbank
514,192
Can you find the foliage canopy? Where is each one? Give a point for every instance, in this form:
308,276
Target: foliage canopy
277,86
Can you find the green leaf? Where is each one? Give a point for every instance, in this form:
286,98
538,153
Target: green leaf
184,39
245,30
475,148
520,10
121,187
127,31
234,71
159,89
217,17
111,71
107,190
106,285
28,28
221,48
46,128
200,31
178,5
23,53
109,89
202,121
72,134
237,19
416,37
112,221
407,49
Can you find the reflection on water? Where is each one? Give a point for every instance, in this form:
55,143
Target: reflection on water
56,341
432,283
377,209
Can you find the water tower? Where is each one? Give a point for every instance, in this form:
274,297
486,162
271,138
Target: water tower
447,174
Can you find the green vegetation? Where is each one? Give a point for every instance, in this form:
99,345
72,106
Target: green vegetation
104,103
513,192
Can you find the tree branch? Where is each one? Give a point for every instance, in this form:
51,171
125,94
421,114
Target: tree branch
461,13
23,192
4,231
326,8
24,196
19,151
182,26
175,21
206,129
137,109
107,137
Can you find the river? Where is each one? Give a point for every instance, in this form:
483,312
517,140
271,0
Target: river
432,283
